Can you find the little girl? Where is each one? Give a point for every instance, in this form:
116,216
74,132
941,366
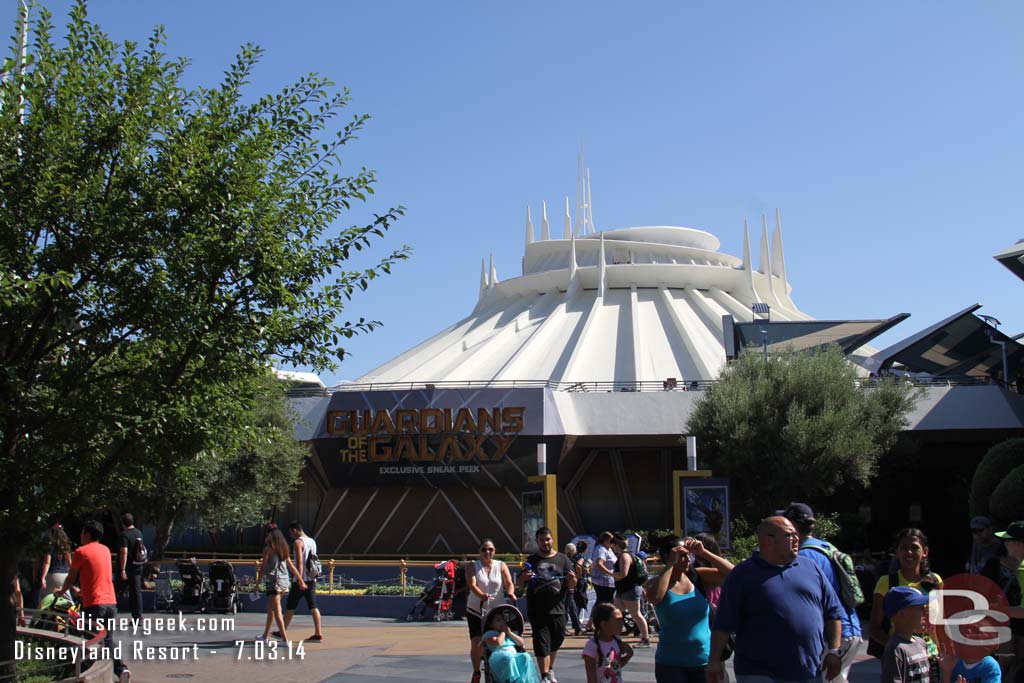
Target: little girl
606,654
507,664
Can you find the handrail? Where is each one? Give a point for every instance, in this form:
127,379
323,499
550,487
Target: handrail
668,384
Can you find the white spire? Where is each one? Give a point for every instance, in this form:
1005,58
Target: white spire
529,226
601,271
567,231
494,273
778,256
580,215
483,276
765,259
746,246
590,205
545,229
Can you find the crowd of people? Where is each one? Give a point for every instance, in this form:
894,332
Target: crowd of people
788,613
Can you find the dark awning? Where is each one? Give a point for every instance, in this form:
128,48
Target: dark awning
808,334
961,345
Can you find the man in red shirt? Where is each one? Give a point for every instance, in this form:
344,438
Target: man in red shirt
91,566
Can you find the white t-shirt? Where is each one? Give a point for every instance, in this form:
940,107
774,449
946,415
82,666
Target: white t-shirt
598,577
608,656
308,546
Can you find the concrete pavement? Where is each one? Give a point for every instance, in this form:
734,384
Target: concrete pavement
355,650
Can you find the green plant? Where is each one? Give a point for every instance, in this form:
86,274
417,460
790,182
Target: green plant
796,427
384,590
1007,502
999,461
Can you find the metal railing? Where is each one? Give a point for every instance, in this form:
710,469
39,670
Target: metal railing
669,384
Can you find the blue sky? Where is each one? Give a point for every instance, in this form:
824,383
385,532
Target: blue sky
890,135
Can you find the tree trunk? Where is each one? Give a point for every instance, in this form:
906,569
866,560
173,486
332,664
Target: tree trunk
8,614
164,525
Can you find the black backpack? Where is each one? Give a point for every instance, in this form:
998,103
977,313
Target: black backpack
140,555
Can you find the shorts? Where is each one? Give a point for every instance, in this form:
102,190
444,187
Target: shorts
548,633
277,586
475,623
605,594
665,673
629,594
294,593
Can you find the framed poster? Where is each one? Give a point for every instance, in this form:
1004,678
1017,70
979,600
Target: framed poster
705,507
533,519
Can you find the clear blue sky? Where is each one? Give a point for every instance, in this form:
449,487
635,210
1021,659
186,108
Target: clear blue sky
890,135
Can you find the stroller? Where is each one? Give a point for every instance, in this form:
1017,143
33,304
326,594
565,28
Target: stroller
514,619
438,595
195,591
224,596
56,613
164,592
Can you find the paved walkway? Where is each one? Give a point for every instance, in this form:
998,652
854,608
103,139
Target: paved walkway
355,650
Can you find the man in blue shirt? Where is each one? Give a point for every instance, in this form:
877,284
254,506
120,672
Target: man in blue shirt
782,609
802,517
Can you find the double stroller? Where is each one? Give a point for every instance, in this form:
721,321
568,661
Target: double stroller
218,593
438,595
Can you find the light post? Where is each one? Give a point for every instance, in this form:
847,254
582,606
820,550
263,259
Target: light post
990,331
764,343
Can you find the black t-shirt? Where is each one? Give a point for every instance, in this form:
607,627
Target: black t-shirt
545,592
129,537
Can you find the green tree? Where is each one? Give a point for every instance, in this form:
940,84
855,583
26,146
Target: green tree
158,245
234,475
796,427
1007,504
1000,460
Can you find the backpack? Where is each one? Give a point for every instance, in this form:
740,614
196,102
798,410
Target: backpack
140,555
850,591
638,571
313,567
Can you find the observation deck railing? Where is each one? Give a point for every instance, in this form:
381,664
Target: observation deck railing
602,387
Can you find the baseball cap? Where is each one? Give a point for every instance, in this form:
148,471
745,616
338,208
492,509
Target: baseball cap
980,522
902,596
1014,532
797,512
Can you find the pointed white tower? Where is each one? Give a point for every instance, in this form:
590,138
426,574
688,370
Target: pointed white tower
778,256
529,227
590,205
748,266
545,229
567,230
766,266
602,272
494,273
483,276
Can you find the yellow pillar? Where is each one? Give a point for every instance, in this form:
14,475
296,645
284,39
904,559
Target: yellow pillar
550,482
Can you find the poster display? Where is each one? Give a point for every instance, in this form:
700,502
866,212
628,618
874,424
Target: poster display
705,503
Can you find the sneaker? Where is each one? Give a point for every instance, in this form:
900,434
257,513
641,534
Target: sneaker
551,677
476,677
644,642
125,677
276,634
315,639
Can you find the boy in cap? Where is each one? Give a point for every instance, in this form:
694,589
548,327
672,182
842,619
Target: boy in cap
906,657
1014,538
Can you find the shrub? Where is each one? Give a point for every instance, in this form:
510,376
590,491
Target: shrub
1000,460
1007,503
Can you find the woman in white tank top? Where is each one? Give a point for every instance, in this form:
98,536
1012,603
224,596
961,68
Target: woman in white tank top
490,583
